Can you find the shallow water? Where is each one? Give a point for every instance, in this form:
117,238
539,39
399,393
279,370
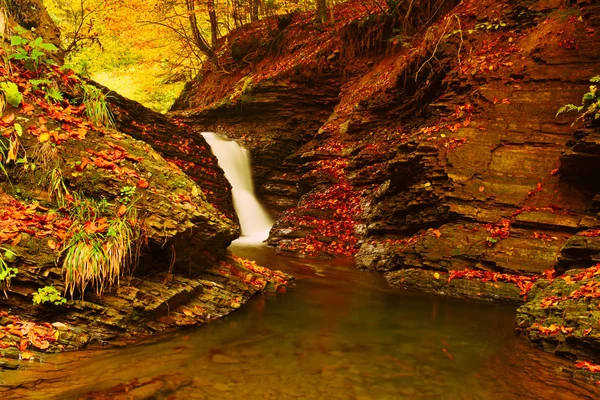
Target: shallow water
339,334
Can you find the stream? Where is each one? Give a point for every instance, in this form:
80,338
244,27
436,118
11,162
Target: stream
338,334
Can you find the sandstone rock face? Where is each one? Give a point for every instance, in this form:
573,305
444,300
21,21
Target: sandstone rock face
438,157
444,154
91,213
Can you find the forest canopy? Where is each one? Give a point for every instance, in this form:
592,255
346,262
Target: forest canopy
147,49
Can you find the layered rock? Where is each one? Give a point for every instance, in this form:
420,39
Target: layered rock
90,213
442,164
562,314
455,132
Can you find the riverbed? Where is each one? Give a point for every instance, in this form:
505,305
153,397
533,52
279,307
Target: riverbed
338,334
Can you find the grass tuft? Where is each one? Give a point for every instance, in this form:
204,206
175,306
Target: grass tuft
56,186
96,106
99,249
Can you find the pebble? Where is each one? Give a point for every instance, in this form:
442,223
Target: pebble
60,326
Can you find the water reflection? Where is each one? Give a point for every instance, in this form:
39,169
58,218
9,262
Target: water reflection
339,334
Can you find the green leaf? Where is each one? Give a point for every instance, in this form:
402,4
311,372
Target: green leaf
10,255
35,54
567,108
48,47
18,129
13,96
17,41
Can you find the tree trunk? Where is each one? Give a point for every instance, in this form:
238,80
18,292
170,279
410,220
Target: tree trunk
254,13
199,39
321,11
214,28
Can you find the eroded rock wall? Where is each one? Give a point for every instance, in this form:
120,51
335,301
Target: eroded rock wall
442,151
93,212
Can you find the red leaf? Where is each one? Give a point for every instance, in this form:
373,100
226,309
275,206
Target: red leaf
142,183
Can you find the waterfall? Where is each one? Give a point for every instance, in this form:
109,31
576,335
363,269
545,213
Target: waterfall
235,162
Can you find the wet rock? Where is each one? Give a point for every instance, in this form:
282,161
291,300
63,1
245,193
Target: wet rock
563,316
434,282
224,359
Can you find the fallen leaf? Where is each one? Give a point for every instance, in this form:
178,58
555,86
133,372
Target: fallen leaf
9,119
122,210
44,137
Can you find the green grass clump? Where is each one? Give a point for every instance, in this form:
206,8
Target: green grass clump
96,106
98,249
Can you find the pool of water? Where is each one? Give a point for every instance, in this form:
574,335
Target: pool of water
338,334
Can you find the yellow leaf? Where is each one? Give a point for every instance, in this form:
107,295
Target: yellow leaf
26,355
44,137
195,191
436,275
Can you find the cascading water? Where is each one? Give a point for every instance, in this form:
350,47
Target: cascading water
235,162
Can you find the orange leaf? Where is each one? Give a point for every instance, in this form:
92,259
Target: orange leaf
52,244
122,210
142,183
27,108
9,119
84,163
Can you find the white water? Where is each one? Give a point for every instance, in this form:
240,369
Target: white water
235,162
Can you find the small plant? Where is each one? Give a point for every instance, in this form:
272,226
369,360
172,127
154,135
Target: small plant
12,93
45,155
53,95
51,92
48,294
83,209
31,52
96,106
126,194
490,241
590,108
6,272
56,186
96,257
9,147
492,25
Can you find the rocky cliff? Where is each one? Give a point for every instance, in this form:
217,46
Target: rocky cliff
424,143
101,233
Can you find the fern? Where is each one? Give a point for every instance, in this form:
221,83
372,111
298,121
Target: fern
567,108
